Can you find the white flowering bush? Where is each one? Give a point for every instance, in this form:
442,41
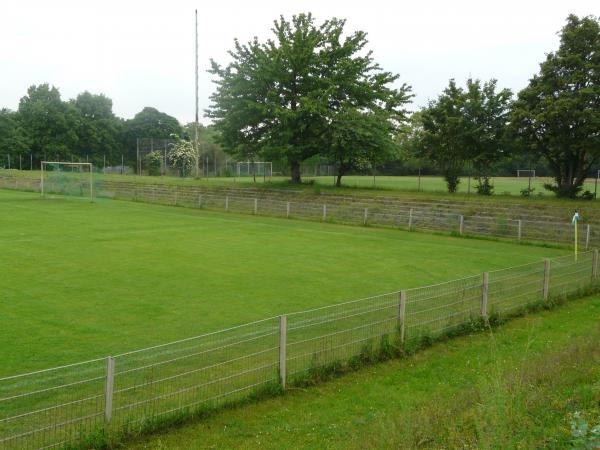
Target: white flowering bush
183,156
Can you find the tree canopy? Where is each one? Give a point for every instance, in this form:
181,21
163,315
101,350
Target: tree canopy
558,114
293,96
465,125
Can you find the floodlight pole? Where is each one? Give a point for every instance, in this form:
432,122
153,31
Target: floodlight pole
196,121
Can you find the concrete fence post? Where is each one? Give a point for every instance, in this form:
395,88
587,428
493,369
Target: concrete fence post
520,229
461,225
282,349
287,210
410,216
227,203
595,266
366,216
484,294
199,200
546,279
255,206
587,237
176,195
402,315
324,212
109,388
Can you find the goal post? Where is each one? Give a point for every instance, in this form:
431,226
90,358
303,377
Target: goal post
72,177
253,168
526,173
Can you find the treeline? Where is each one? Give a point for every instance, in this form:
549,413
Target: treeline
85,128
312,92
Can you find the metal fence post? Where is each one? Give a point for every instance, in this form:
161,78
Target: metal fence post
324,212
255,206
108,388
595,266
484,294
461,225
520,230
227,203
546,279
366,216
402,314
587,237
282,349
287,210
410,215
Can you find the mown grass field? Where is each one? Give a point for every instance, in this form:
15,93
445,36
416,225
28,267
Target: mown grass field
83,280
514,387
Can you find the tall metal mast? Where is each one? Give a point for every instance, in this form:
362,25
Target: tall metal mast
196,121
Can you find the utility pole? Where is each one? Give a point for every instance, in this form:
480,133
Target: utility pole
196,122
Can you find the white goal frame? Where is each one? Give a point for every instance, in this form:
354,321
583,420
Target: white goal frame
70,164
531,172
248,164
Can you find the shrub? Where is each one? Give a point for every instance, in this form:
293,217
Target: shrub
484,186
527,192
153,162
587,195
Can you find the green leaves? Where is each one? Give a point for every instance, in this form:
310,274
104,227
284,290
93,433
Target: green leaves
558,114
465,125
299,94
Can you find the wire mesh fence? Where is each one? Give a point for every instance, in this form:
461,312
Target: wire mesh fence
123,393
340,210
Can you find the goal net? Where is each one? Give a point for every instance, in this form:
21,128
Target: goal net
263,169
525,173
67,178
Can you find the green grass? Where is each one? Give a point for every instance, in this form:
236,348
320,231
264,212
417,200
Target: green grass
505,188
84,280
514,387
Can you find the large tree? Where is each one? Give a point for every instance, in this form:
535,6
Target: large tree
148,123
360,140
465,125
50,123
14,140
280,98
558,114
99,129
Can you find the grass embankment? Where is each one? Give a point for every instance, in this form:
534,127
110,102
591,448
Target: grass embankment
507,189
83,280
516,386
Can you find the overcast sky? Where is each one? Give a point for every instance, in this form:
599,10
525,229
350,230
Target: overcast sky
142,53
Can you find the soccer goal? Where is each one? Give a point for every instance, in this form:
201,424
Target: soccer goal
525,173
67,178
254,168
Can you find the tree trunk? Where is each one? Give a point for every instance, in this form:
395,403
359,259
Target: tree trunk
295,167
340,174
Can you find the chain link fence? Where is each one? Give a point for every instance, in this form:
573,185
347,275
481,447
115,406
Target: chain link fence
124,393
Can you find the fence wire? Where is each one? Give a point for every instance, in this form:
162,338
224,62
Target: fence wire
382,213
59,406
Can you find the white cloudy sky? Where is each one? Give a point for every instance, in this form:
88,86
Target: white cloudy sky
142,53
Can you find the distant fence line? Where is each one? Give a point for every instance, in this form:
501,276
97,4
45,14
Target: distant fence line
64,405
379,214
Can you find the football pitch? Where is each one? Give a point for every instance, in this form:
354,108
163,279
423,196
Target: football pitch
82,280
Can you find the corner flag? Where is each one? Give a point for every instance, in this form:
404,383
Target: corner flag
575,222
